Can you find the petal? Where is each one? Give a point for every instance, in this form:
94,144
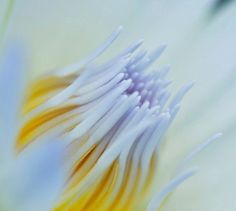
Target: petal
36,178
11,94
77,22
213,187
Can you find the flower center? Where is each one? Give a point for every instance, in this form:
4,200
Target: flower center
113,116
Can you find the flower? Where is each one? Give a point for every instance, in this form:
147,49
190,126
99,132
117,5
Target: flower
111,118
194,54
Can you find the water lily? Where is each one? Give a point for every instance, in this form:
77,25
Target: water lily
190,40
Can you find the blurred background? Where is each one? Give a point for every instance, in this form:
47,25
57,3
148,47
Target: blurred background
201,39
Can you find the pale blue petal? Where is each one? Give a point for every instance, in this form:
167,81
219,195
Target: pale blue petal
11,93
36,179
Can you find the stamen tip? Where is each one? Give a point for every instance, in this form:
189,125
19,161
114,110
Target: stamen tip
163,47
120,28
217,135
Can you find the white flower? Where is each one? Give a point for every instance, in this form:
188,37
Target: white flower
112,118
201,47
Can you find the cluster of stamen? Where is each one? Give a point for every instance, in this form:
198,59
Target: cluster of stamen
116,112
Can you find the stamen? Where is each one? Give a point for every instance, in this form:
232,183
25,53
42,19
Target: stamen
113,114
157,200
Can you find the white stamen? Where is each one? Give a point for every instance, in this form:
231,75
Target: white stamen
197,150
80,65
157,200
